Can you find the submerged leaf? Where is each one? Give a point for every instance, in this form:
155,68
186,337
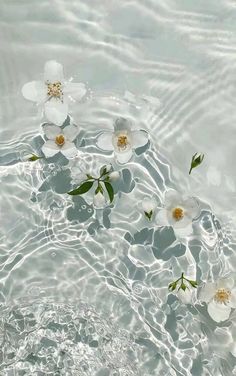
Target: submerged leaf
110,190
85,187
34,158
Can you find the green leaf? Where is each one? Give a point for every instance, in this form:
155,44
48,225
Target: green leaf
89,176
99,189
85,187
183,286
172,286
193,283
34,158
148,215
110,190
196,161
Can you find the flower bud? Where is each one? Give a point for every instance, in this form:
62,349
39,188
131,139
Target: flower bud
99,200
148,205
114,175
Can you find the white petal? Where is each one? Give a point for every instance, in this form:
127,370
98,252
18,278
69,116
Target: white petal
172,199
99,200
53,71
183,232
51,131
185,296
124,157
122,124
104,141
75,90
139,138
191,207
114,176
148,204
35,91
56,111
50,148
71,132
161,218
232,302
226,283
233,349
207,292
219,312
69,149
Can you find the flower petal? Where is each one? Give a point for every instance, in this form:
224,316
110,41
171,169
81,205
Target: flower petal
191,207
56,111
124,157
218,312
75,90
232,302
99,200
53,71
71,132
104,141
122,124
173,199
207,292
226,283
51,131
139,138
161,218
148,204
183,232
50,148
69,149
185,296
35,91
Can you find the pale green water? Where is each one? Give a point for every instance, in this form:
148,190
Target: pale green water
178,60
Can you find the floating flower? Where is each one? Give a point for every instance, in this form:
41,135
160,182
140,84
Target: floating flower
60,140
184,288
178,212
53,92
100,185
123,140
148,206
220,298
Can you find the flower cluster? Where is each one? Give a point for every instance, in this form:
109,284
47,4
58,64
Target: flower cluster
52,94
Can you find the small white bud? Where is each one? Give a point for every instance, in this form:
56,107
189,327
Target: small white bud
99,200
114,175
148,205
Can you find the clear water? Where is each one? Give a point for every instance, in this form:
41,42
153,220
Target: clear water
85,292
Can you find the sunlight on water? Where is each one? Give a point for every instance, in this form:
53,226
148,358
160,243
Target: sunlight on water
84,291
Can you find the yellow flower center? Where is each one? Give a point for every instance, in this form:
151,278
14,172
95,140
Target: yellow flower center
222,296
54,89
60,140
178,214
122,142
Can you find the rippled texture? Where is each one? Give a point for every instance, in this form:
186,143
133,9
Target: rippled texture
170,67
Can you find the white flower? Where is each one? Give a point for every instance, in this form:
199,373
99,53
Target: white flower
99,200
53,92
114,176
220,297
60,141
178,212
122,141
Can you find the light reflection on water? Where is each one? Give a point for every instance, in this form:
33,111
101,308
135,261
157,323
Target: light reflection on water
178,60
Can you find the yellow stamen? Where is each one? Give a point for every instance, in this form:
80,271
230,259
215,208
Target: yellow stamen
60,140
122,142
178,214
54,89
222,296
